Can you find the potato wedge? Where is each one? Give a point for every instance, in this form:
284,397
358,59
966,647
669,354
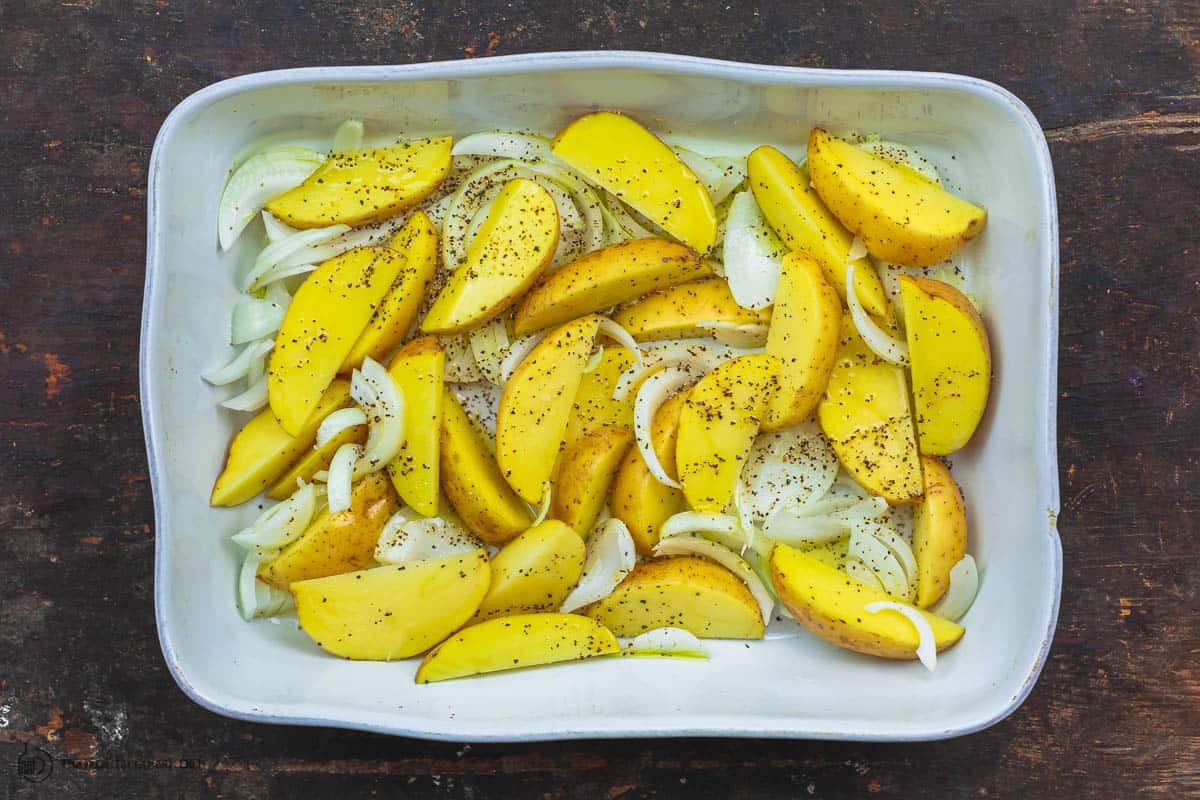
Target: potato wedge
594,406
717,428
394,611
605,278
416,243
939,531
525,640
805,323
683,311
336,543
326,317
638,498
472,479
364,186
951,363
832,605
314,461
262,450
683,592
418,370
536,405
534,572
803,223
867,417
513,246
587,472
901,216
615,152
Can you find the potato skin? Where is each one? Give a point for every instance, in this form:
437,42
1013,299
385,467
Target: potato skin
939,531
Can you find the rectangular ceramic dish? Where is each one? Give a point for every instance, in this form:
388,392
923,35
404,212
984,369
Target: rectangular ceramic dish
987,144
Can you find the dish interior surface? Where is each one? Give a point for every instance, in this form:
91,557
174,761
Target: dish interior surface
984,144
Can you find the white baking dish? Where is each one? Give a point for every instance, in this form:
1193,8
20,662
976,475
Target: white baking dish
793,686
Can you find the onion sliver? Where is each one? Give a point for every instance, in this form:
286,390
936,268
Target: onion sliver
504,144
697,358
247,580
255,318
725,529
611,556
283,253
901,550
858,249
630,226
784,526
862,573
733,172
653,392
407,536
668,642
241,365
752,253
711,175
275,228
256,182
787,468
623,338
699,546
337,422
517,353
926,644
385,416
341,476
489,346
543,509
348,136
281,524
876,555
964,585
253,399
460,361
594,360
270,602
882,343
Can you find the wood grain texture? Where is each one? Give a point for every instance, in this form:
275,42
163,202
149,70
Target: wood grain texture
84,85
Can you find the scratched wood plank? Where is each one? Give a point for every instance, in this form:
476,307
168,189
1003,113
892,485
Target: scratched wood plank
85,85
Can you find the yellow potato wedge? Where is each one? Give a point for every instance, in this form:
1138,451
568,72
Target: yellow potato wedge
394,611
513,246
605,278
472,480
803,223
901,216
418,370
615,152
717,428
682,311
326,317
951,363
416,243
534,572
314,461
336,543
525,640
262,450
832,605
363,186
587,472
805,323
536,404
683,592
594,406
939,532
868,419
638,498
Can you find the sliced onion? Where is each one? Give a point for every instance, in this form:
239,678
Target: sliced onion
337,422
630,227
271,602
862,573
407,536
900,549
517,353
787,468
289,252
624,338
926,644
281,524
241,365
460,361
246,595
882,343
861,511
611,556
253,399
733,173
726,529
276,229
504,144
752,254
745,523
668,642
858,249
711,175
964,585
752,334
348,136
594,360
384,408
341,476
543,509
260,179
437,211
876,555
696,358
489,346
699,546
783,525
256,318
651,394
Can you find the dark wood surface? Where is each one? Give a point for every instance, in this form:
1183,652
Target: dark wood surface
84,86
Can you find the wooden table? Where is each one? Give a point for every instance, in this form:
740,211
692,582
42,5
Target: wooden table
84,86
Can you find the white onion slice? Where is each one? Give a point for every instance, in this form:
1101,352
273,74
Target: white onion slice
256,182
901,550
407,536
241,365
384,408
964,585
725,529
504,144
745,523
858,249
926,644
876,555
255,318
594,360
790,467
630,227
711,175
246,594
271,602
696,357
862,573
518,352
752,253
281,524
667,642
489,345
337,422
341,476
253,399
348,136
733,172
460,361
699,546
651,394
784,526
283,254
752,334
276,229
611,556
882,343
623,338
543,509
